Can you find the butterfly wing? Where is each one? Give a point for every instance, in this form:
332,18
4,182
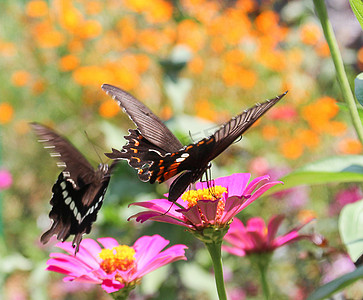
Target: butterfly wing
234,128
150,126
76,168
78,192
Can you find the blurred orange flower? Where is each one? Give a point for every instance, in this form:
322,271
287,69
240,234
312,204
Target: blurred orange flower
318,114
322,49
191,33
46,36
196,65
89,29
7,49
150,39
292,149
269,132
92,75
20,78
93,7
109,108
68,63
128,32
205,110
337,128
159,11
247,79
234,56
310,33
36,8
308,138
267,21
6,112
350,146
38,87
306,215
360,58
247,6
69,17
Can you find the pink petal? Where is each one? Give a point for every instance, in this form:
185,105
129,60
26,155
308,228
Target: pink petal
273,226
233,250
257,224
192,214
235,183
258,193
255,182
147,247
172,254
108,243
257,241
231,208
110,286
208,209
156,216
159,205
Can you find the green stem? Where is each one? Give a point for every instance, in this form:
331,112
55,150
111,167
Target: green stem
262,267
339,67
215,253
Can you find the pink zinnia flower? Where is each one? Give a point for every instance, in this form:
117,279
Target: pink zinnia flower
205,207
256,237
5,179
115,266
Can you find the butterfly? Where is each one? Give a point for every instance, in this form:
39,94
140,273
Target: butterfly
158,155
78,192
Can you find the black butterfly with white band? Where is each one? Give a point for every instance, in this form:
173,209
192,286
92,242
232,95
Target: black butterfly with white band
78,192
158,155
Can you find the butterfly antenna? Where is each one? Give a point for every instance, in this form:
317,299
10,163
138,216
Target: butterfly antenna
93,146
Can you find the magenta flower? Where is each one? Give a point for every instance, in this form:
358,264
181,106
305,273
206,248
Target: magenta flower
256,237
5,179
115,266
205,207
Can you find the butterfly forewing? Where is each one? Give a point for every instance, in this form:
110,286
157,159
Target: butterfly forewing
78,192
151,127
233,129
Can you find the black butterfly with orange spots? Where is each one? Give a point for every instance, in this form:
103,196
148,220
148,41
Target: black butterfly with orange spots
158,155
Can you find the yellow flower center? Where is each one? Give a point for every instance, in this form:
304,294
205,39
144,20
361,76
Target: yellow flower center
193,196
120,258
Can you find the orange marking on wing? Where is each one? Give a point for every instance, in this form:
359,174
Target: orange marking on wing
135,150
170,174
160,162
201,142
161,170
211,140
136,158
187,148
137,143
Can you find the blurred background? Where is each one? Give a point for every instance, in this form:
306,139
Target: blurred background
196,64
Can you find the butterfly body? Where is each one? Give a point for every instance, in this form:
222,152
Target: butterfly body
158,155
79,191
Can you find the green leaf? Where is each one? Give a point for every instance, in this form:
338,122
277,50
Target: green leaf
357,8
358,88
344,168
336,285
350,228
